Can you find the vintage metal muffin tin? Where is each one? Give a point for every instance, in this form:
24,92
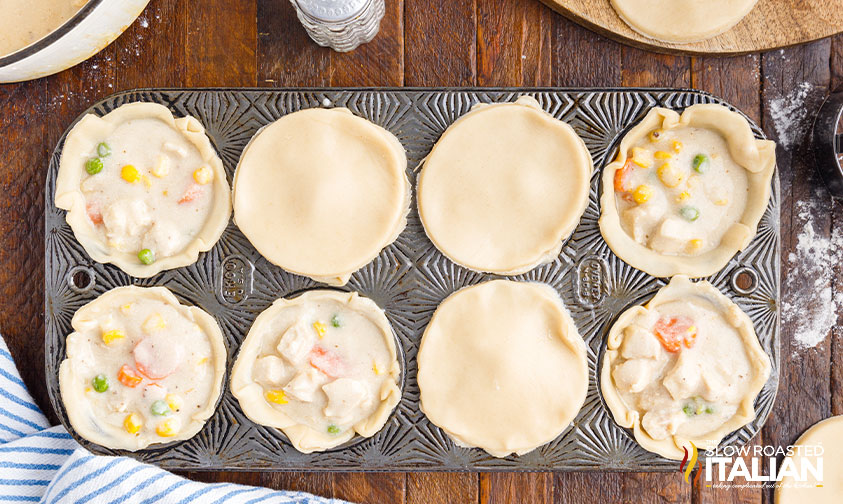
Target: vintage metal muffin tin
408,279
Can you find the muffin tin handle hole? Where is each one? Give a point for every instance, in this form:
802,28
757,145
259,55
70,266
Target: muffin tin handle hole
744,280
81,278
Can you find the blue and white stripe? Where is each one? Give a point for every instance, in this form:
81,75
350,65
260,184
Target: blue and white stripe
39,463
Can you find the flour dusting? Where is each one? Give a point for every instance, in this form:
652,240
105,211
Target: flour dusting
790,115
814,308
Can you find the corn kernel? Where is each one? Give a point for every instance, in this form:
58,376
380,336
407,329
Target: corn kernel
87,389
276,396
130,174
683,196
154,322
375,368
174,402
162,166
108,337
168,428
202,361
669,176
721,202
656,135
126,308
676,145
132,423
695,244
203,175
642,194
662,155
641,157
320,329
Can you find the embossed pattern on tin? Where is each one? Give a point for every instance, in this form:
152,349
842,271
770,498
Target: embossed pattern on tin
408,280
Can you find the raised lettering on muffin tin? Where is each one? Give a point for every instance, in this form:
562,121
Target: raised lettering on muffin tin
408,279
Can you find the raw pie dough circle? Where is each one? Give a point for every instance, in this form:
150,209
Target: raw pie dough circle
682,21
503,187
150,205
191,367
328,361
757,157
699,384
827,434
320,192
502,367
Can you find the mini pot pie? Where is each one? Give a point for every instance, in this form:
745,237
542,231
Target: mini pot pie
504,187
682,21
142,189
502,367
320,367
320,192
684,368
819,448
686,193
141,369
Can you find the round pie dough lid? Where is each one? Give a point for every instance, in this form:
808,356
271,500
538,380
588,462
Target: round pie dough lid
682,21
320,192
827,434
503,187
502,367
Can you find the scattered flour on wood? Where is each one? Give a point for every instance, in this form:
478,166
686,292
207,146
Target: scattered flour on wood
812,307
790,115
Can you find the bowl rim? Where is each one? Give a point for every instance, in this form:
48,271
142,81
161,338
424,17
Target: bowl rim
51,37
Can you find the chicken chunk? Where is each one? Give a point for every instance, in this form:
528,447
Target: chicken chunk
345,397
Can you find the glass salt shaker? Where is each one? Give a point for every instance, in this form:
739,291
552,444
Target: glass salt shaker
341,25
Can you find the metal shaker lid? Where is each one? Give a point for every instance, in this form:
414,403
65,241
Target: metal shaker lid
331,10
828,143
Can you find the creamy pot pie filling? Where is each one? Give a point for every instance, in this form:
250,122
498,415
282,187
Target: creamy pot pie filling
687,366
141,369
320,367
680,190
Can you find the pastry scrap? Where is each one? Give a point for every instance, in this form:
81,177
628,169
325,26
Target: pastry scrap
684,368
321,367
320,192
142,190
141,369
818,449
686,193
504,187
682,21
502,367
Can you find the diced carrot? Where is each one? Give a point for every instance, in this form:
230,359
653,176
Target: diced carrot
94,213
673,332
192,192
326,362
622,177
128,377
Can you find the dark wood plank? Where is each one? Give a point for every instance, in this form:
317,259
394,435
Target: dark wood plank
440,43
836,389
582,58
220,43
378,63
453,488
156,40
578,488
644,69
373,488
315,483
513,43
286,55
516,488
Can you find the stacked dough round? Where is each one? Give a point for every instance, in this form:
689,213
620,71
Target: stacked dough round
141,369
142,189
503,187
320,192
682,21
321,367
502,367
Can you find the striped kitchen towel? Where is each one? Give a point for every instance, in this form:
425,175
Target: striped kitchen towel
39,463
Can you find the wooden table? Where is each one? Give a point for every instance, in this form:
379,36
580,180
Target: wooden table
427,43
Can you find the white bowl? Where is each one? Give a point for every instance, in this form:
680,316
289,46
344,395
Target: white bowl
89,31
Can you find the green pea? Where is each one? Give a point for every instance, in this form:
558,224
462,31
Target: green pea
93,166
701,163
689,213
688,409
146,256
103,150
100,383
709,409
159,408
333,429
336,321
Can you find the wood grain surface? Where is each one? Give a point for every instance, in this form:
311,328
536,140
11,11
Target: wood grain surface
431,43
772,24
